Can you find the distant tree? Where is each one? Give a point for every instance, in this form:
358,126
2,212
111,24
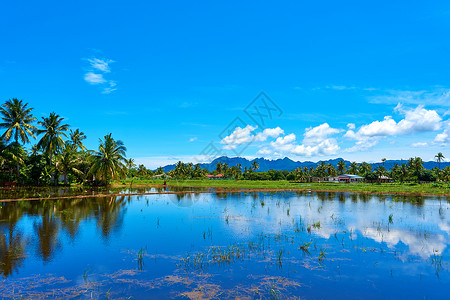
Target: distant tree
383,160
439,157
255,165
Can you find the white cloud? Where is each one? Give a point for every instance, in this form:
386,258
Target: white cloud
95,74
193,139
238,136
264,151
414,121
315,135
443,137
100,64
94,78
315,142
269,132
351,126
419,144
439,97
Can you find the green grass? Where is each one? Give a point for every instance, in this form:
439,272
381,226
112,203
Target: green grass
407,188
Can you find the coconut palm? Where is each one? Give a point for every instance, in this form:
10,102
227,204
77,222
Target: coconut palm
439,158
53,131
130,163
108,161
341,167
383,160
77,137
255,165
17,120
353,168
68,160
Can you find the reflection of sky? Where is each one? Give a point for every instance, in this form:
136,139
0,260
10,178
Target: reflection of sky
174,225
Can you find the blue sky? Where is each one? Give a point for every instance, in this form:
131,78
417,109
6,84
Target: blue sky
358,80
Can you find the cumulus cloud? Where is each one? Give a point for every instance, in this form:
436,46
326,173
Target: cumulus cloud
95,74
316,141
414,121
238,137
269,132
443,137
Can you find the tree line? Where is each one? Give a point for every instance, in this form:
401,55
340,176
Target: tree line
58,153
412,170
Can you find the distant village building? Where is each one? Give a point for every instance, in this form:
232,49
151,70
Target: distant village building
161,176
346,178
218,176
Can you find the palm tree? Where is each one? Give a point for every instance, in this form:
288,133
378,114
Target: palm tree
341,166
383,160
255,165
353,168
439,158
108,162
130,163
53,130
77,137
17,120
68,161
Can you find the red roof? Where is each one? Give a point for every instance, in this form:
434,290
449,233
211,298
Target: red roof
214,176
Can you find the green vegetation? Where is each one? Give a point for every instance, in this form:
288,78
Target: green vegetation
58,156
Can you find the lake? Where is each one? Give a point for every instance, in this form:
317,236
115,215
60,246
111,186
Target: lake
263,245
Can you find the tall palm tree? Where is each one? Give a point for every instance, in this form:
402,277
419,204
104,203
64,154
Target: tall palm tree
439,158
383,160
130,163
108,161
17,120
353,168
77,137
67,161
53,131
341,167
255,165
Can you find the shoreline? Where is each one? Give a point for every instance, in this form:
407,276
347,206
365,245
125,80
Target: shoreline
217,190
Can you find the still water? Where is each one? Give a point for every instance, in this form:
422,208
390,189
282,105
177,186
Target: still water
276,245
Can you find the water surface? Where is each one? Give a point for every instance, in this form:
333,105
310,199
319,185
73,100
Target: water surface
226,245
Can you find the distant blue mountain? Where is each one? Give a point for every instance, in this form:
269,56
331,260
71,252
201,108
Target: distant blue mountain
289,165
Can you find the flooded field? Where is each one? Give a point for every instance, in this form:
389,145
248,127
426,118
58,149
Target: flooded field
276,245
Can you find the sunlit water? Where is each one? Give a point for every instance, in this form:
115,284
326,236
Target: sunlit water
228,245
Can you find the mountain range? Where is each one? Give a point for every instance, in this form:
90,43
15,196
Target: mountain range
289,164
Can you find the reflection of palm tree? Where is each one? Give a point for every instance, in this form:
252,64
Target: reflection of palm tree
12,250
110,214
47,233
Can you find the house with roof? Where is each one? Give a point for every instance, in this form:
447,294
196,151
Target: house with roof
218,176
345,178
